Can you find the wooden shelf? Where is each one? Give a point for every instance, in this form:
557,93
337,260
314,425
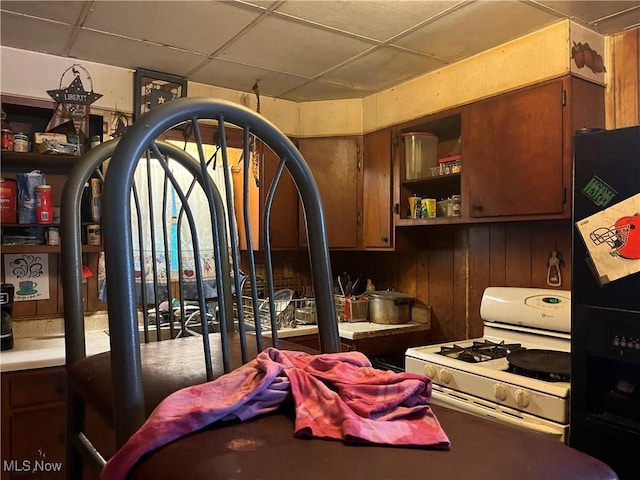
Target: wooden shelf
413,222
18,161
441,182
29,225
45,248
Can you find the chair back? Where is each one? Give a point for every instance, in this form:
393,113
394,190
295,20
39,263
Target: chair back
154,290
135,255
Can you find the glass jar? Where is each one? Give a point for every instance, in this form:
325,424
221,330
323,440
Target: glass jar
20,142
456,203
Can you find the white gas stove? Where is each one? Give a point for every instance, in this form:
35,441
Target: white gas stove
518,371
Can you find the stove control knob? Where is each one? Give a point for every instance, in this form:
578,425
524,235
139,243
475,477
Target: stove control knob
445,376
500,392
430,371
522,398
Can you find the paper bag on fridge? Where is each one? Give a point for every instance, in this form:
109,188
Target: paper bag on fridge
612,238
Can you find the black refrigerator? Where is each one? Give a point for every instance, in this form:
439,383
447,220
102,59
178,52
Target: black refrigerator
605,323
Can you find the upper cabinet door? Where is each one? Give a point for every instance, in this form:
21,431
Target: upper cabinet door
377,190
513,153
334,164
284,210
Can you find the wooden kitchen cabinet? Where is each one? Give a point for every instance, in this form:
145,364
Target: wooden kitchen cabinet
34,423
516,153
447,127
377,190
335,164
517,149
513,153
284,210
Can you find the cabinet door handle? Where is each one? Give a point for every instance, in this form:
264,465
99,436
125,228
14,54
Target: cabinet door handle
385,239
476,208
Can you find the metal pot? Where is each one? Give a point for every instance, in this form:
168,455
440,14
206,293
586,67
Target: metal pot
389,307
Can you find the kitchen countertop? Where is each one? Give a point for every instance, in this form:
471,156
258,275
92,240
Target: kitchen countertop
47,351
355,330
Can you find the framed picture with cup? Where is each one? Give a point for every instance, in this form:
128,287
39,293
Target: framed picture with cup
29,275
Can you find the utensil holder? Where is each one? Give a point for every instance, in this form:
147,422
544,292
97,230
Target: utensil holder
352,309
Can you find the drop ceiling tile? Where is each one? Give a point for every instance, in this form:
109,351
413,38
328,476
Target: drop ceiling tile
290,47
383,68
258,3
242,77
126,53
319,90
379,20
588,11
201,27
32,34
476,27
66,12
618,23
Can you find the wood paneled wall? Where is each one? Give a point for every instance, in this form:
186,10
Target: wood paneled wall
448,267
623,90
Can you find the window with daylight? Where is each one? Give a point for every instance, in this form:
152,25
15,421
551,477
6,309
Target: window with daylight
163,262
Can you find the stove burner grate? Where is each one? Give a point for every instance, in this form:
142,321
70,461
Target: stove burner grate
480,351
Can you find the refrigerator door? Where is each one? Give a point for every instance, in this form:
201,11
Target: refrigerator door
606,178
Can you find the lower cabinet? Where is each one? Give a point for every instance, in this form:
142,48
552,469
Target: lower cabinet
34,423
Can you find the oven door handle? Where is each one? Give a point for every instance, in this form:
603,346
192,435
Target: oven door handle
470,406
536,427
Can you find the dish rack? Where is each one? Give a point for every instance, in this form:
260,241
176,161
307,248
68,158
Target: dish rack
289,313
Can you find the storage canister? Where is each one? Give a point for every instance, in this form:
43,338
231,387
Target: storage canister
455,205
8,200
94,235
95,141
7,140
20,142
414,210
428,207
420,154
53,236
44,204
389,307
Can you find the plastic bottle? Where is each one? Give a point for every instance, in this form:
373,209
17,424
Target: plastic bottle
370,286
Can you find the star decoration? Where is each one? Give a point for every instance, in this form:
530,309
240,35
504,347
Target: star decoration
72,105
74,94
158,97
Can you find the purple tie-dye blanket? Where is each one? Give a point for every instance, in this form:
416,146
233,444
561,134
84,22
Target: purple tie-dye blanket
337,396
